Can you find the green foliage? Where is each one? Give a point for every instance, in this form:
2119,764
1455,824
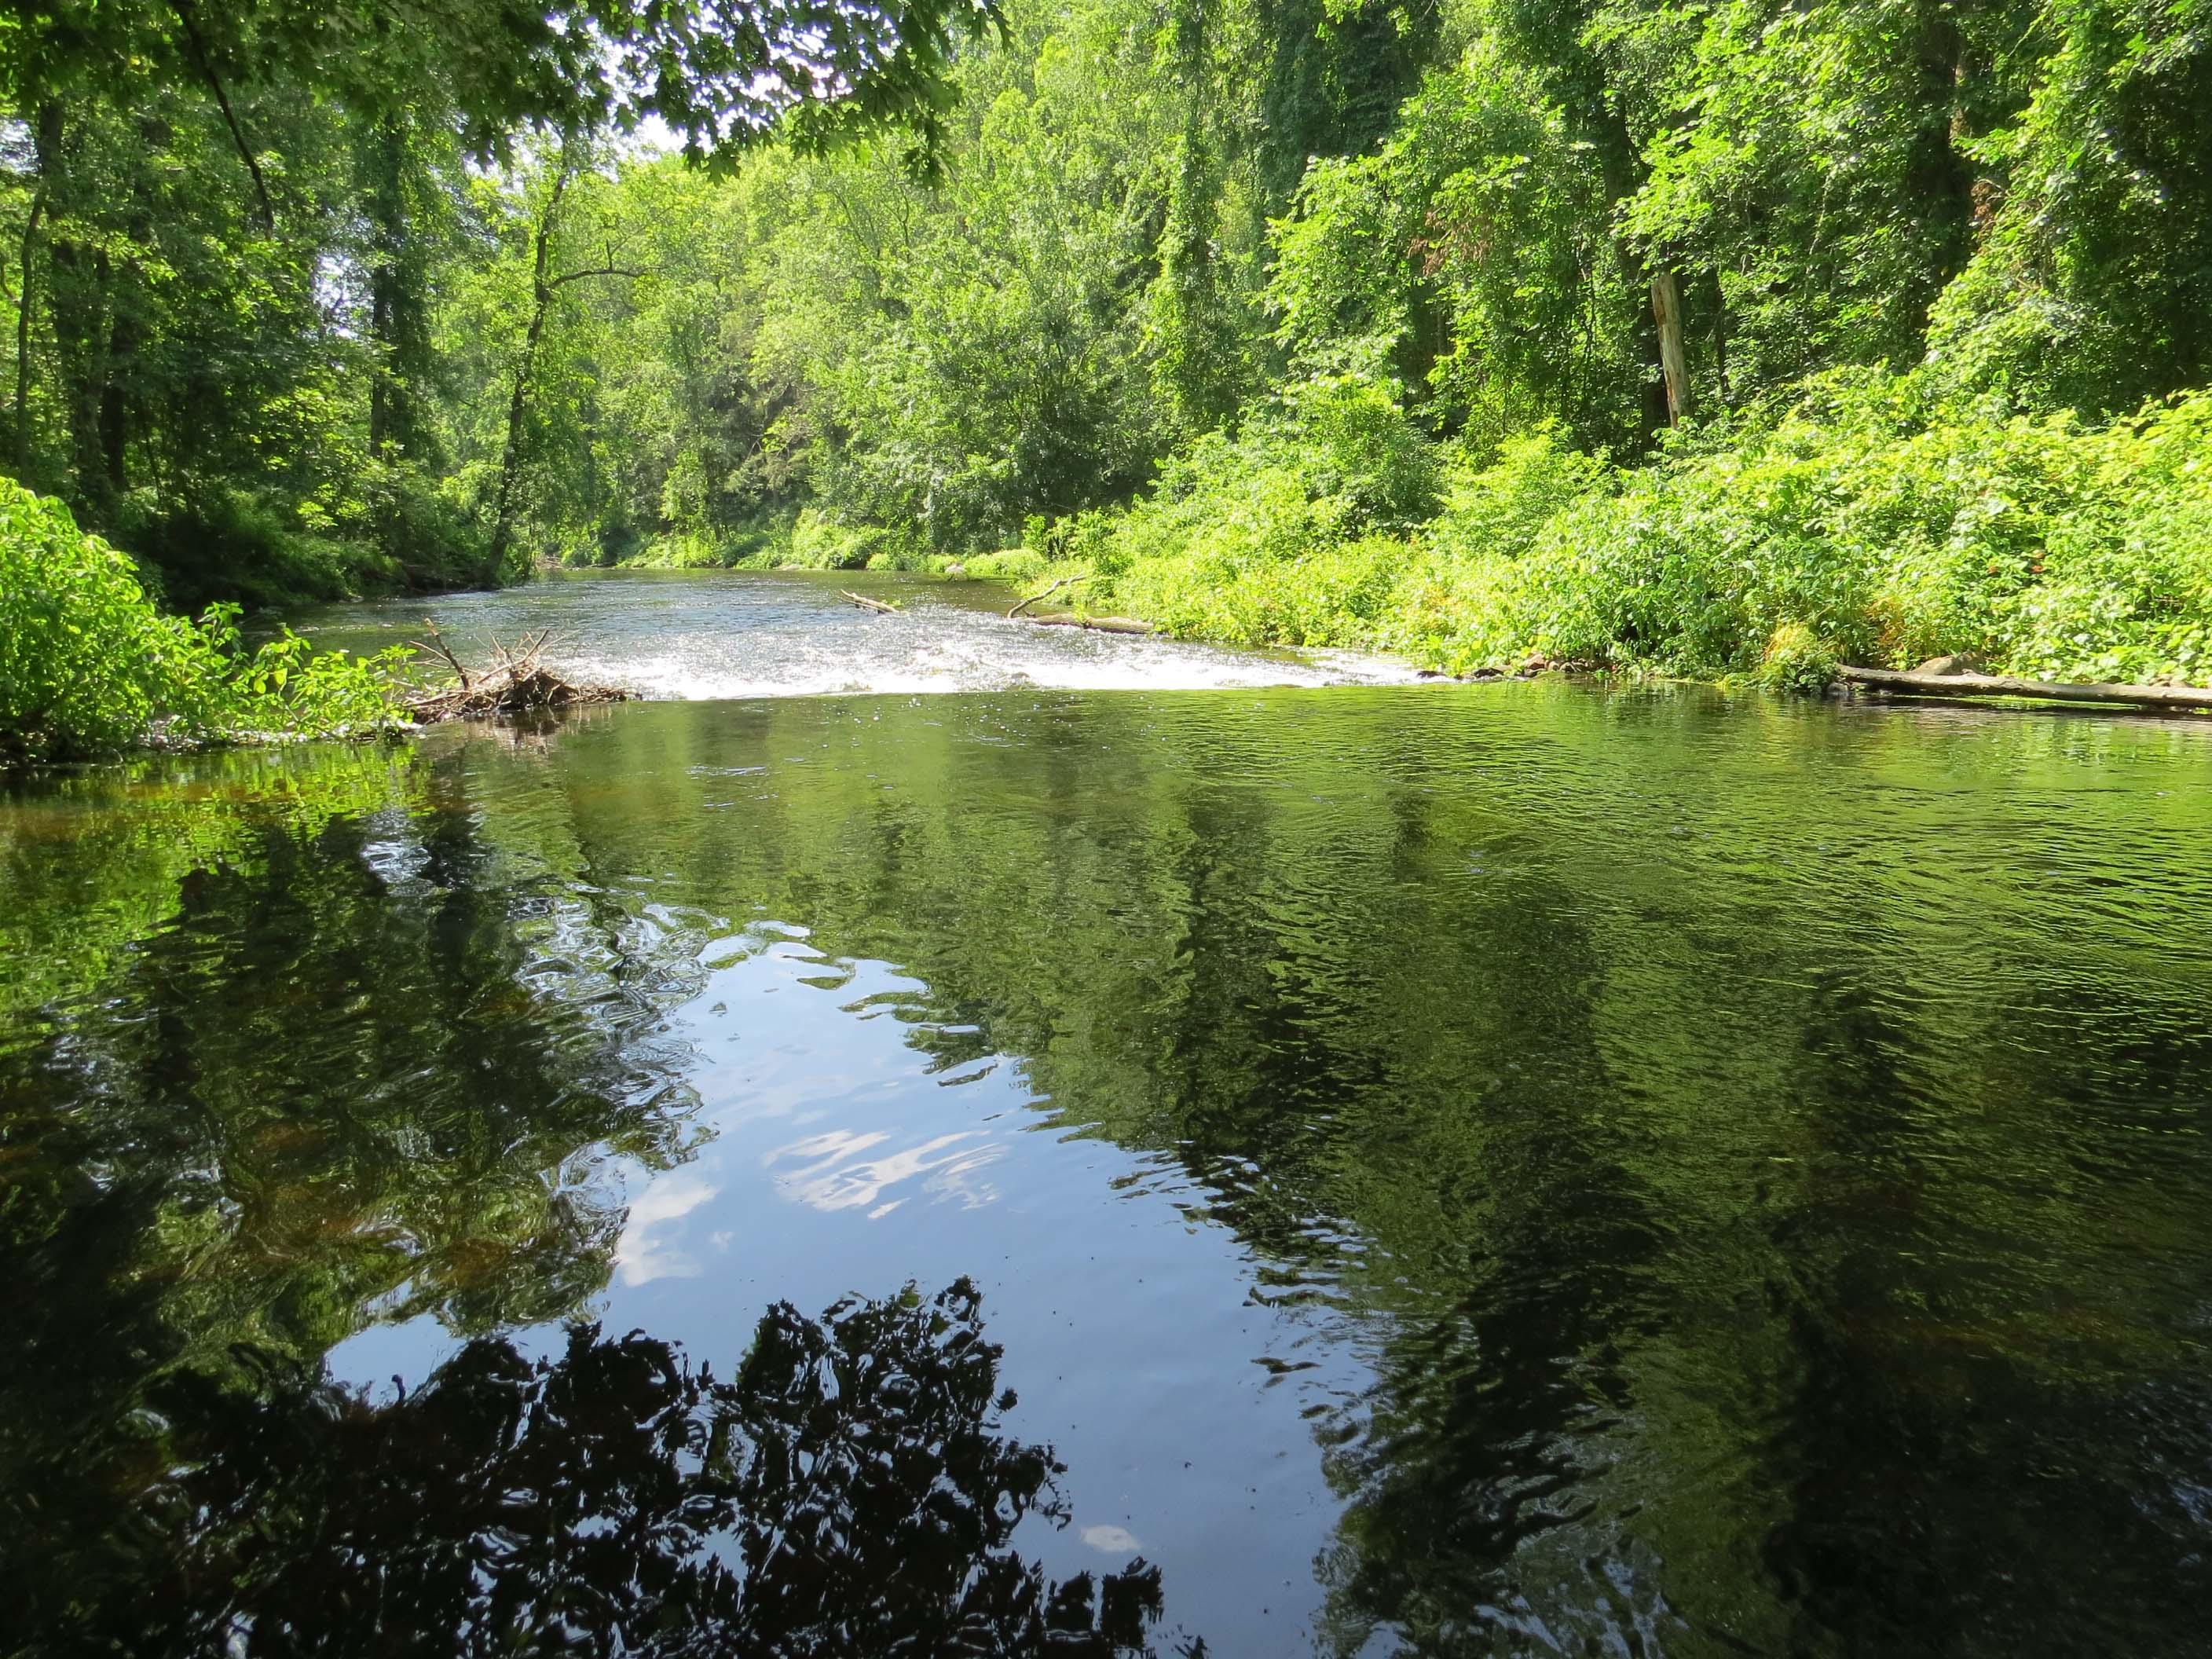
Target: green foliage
1265,537
1234,299
244,231
1890,532
1472,256
2090,284
1026,334
715,74
88,663
84,655
1013,564
701,550
818,544
1870,522
1798,659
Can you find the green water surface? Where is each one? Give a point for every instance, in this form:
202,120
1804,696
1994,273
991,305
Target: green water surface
1450,1170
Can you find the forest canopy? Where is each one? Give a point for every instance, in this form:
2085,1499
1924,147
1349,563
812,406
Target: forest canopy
1729,337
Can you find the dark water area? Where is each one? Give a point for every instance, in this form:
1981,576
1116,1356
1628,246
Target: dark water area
1489,1170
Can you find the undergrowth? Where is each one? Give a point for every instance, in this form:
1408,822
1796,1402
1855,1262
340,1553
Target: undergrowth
89,666
1870,520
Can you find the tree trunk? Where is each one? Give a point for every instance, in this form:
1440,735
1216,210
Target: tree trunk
126,323
399,323
47,146
1999,685
77,296
1720,337
114,405
79,301
380,385
1096,624
1941,176
1673,361
518,403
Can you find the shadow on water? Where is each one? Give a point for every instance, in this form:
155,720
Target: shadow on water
847,1491
1985,1453
1465,1173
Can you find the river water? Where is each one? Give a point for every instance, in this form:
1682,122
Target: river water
1317,1168
693,635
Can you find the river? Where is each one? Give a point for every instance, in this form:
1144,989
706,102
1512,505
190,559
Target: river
693,635
1141,1146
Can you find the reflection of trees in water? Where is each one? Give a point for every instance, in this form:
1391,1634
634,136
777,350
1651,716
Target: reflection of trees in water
1383,1075
1983,1457
350,1063
848,1492
366,1063
1387,1081
1508,1200
1380,1031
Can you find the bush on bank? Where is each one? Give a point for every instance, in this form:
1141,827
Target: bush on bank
89,665
1872,520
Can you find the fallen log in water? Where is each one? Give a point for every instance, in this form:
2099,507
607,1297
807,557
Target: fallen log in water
515,683
1102,624
1920,683
882,607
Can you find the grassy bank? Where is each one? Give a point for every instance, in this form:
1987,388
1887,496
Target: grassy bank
394,535
1871,520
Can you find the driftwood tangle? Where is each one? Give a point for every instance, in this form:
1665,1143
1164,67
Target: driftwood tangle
514,683
1943,677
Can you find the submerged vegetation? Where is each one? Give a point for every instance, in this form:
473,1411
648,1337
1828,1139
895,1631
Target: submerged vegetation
1740,339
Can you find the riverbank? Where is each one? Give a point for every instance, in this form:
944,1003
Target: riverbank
90,666
1875,520
1866,523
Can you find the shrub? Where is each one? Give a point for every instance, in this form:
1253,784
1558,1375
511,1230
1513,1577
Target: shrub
1798,659
394,530
1281,534
1890,534
1498,508
230,544
1364,450
88,663
1871,520
818,544
1014,564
